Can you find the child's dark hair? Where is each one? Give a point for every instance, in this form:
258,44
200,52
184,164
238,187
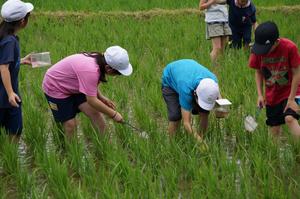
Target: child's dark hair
9,28
99,57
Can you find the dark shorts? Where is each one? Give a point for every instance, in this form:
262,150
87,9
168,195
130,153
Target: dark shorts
275,114
11,120
241,36
174,109
67,108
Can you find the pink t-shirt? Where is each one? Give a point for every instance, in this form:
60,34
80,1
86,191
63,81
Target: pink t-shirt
72,75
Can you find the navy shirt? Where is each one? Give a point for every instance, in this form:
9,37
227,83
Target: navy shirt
241,17
9,54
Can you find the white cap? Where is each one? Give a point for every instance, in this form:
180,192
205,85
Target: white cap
117,58
15,10
207,92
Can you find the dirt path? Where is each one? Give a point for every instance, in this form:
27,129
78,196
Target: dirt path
152,12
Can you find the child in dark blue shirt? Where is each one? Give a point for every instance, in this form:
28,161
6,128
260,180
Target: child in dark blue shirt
242,17
15,16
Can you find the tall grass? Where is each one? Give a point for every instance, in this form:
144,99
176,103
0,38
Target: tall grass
123,165
132,5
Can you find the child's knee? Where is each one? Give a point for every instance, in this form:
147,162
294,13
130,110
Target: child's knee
70,125
289,119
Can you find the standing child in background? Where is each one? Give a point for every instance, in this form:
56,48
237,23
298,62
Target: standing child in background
277,64
71,86
217,28
242,18
15,14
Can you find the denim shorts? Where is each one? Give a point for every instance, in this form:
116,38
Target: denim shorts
67,108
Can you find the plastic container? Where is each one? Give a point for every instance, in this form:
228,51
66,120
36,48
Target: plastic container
250,123
221,112
222,108
40,59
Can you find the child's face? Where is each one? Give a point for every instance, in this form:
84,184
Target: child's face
243,2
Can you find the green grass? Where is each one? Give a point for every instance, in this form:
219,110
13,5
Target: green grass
121,164
117,5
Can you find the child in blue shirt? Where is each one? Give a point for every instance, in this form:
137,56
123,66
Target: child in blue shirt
189,88
15,16
242,17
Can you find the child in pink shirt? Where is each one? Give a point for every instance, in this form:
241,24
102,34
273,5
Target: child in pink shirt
71,86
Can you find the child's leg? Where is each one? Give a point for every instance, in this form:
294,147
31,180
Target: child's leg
203,122
275,118
224,41
95,116
236,38
173,126
69,127
247,37
171,99
275,131
13,123
293,125
217,49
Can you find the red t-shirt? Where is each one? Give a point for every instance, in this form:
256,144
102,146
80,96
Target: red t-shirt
276,67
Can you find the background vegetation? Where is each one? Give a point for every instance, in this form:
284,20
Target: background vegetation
122,164
132,5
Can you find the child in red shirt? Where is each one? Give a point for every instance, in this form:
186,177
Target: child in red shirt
277,64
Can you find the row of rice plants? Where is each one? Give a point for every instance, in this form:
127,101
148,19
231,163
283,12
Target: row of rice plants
122,164
133,5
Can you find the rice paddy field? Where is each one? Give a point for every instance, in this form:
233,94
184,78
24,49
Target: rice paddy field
123,164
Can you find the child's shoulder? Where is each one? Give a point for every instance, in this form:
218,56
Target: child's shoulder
8,38
285,42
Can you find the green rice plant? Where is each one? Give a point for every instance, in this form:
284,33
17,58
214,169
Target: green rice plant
56,173
120,164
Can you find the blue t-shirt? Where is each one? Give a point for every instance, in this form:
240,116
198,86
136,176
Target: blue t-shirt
9,54
183,76
241,17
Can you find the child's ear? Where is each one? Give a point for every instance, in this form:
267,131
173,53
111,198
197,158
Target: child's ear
23,22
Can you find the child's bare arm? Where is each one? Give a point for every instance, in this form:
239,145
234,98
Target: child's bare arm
204,4
259,88
13,98
255,26
295,82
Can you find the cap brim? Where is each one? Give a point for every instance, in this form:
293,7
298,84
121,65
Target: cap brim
30,7
126,71
206,106
259,49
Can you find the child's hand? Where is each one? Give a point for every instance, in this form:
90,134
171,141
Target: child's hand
292,105
26,59
118,118
14,99
261,102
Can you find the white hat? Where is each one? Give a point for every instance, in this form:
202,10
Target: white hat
15,10
117,58
207,92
